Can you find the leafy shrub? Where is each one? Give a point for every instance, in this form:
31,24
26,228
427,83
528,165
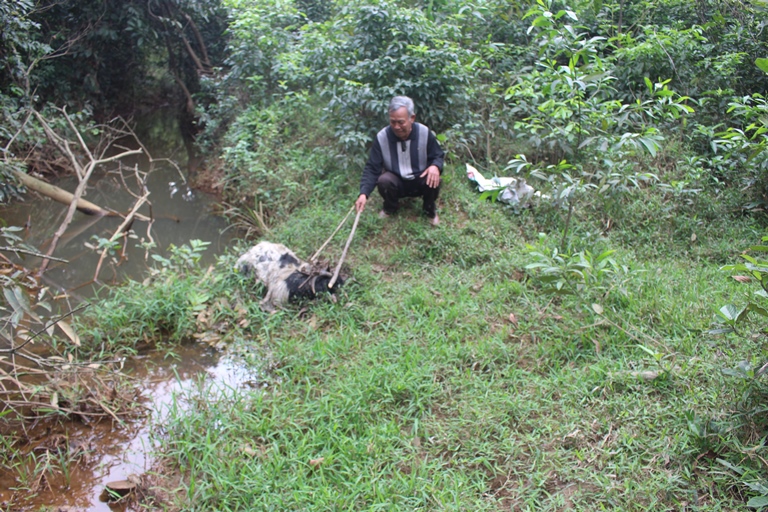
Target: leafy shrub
580,273
736,319
730,317
261,34
279,155
379,50
745,146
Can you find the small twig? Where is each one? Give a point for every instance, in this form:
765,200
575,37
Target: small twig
344,253
314,256
635,338
101,404
30,253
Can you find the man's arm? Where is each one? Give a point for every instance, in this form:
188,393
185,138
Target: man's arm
435,154
435,160
371,173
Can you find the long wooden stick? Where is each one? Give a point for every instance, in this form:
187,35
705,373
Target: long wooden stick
314,256
344,253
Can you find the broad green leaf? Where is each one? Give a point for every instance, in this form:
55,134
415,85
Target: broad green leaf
762,64
648,83
605,254
729,312
743,314
734,373
758,501
650,145
749,258
10,297
735,469
758,487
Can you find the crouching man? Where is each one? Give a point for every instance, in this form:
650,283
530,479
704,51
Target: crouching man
405,161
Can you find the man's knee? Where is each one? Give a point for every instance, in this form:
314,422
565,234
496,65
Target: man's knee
388,180
430,192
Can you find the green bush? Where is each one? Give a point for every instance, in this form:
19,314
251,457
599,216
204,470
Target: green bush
280,156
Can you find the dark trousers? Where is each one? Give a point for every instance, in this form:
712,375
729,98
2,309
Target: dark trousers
392,187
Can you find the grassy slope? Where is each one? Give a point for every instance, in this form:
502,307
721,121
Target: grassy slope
418,393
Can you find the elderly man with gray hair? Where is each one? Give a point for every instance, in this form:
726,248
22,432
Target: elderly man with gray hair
405,161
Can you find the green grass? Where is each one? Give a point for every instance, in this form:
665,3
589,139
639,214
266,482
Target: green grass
418,392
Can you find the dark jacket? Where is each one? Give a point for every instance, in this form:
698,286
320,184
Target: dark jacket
407,158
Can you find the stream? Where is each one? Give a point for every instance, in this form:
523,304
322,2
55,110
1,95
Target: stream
181,214
114,453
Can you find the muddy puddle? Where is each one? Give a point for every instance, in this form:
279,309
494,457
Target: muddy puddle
103,454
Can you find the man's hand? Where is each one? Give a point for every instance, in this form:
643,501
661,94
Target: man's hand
360,203
433,176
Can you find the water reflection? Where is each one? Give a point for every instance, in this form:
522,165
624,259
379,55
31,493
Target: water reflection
109,454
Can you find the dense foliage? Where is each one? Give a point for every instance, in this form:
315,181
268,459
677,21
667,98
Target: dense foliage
606,86
99,60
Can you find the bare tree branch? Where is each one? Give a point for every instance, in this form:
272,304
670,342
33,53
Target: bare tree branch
124,226
200,42
60,143
84,174
83,145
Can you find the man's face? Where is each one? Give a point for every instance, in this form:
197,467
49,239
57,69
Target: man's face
401,122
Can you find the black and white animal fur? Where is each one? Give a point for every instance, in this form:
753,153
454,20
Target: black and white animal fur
284,274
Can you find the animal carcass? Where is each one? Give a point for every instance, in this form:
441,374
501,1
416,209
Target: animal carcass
284,274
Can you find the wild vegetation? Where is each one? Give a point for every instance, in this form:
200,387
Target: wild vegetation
589,351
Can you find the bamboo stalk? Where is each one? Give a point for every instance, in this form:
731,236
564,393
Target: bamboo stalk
314,256
344,253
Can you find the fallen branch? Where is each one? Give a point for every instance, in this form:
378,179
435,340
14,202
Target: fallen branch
62,196
83,174
30,253
120,231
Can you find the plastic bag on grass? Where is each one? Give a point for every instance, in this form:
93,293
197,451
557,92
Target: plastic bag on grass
516,191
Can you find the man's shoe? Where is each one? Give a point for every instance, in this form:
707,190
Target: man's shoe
383,215
435,220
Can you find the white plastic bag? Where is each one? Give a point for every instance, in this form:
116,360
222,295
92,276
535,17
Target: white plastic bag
516,191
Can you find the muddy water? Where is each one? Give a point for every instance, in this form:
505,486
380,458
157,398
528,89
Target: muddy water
180,214
106,454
